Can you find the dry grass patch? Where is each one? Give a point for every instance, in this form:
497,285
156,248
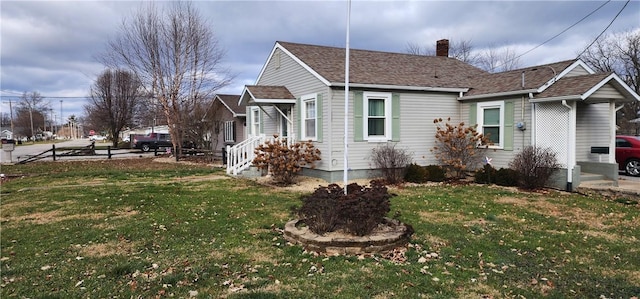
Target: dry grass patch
442,217
120,247
569,213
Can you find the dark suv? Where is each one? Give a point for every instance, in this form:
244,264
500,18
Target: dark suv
151,141
628,154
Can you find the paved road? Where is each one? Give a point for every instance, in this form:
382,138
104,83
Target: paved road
23,151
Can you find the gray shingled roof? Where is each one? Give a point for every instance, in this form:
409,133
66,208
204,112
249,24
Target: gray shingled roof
534,77
232,102
569,86
384,68
270,92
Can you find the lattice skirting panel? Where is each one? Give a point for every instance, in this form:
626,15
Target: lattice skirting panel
552,128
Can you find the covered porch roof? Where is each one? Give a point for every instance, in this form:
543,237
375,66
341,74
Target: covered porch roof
590,89
260,94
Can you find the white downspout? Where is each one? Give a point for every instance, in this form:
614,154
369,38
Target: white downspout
533,120
570,143
612,143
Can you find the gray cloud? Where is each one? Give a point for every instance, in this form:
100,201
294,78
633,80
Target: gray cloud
50,46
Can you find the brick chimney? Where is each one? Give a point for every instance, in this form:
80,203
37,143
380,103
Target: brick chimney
442,48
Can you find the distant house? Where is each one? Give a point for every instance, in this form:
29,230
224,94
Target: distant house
6,134
230,120
394,98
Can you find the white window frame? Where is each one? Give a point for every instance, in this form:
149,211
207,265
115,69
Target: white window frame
480,117
386,96
304,100
229,131
285,126
255,121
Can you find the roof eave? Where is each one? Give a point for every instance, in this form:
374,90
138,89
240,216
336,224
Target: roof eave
557,99
274,101
498,94
225,104
402,87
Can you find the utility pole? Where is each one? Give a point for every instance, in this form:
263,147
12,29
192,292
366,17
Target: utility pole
61,123
11,112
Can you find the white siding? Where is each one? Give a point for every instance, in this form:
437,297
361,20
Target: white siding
502,158
592,129
417,131
284,71
607,92
577,71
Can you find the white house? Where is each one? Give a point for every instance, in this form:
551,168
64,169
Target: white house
395,97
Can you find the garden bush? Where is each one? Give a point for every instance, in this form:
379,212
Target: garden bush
285,161
435,173
534,165
415,174
485,175
458,147
358,212
391,161
506,177
502,177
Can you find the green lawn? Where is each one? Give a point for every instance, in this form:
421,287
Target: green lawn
143,229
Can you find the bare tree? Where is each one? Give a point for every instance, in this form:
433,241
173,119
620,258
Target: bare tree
204,125
462,50
619,53
175,55
496,59
31,104
115,96
417,49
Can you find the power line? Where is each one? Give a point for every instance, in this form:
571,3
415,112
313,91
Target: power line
605,29
563,31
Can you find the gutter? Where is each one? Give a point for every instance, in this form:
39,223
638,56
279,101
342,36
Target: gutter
413,88
498,94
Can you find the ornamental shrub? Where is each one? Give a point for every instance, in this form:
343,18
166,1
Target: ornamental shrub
391,161
506,177
534,165
485,175
285,161
435,173
458,147
358,212
502,177
415,174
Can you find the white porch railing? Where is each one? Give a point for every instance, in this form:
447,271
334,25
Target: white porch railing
241,155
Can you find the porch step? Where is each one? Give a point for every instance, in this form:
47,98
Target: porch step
251,172
586,177
598,184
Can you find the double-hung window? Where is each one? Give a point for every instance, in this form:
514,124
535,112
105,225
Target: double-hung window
491,122
377,116
229,131
309,117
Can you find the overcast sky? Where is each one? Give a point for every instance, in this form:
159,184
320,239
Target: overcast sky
48,46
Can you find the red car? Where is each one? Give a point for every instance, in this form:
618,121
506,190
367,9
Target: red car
628,154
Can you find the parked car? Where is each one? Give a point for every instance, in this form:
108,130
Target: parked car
97,138
151,141
628,154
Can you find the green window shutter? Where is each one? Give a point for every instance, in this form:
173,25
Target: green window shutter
357,116
508,125
261,121
299,118
473,114
395,117
319,117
